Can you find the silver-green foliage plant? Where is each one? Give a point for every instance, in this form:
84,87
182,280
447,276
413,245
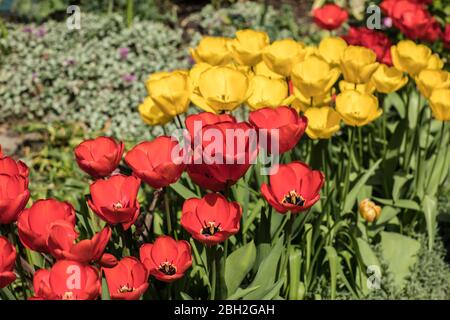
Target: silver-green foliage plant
94,75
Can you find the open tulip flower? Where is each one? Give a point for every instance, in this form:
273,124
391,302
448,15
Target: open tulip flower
35,223
410,57
99,157
152,114
287,121
266,92
61,244
212,219
14,195
115,199
221,89
7,261
67,280
388,79
440,104
330,16
294,187
358,64
166,259
127,280
152,162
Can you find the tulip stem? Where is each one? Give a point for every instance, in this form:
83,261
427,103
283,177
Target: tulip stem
168,217
351,138
212,270
361,162
290,218
439,145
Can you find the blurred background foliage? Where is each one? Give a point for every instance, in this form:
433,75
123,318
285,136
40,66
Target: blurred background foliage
58,87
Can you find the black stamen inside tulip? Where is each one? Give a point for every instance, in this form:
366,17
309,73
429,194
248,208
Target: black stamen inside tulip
293,198
210,229
167,268
125,288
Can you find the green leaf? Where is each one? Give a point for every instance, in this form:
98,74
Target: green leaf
400,253
401,203
185,296
240,293
333,261
105,290
238,264
350,199
429,206
265,277
182,190
387,213
367,255
294,274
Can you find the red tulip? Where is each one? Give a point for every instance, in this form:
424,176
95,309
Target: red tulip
61,245
14,196
212,219
35,223
114,200
226,152
99,157
166,259
372,39
152,162
195,122
295,187
11,167
289,123
127,280
412,19
67,280
199,172
7,261
330,16
446,36
1,152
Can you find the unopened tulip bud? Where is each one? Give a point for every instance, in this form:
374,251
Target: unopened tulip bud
369,210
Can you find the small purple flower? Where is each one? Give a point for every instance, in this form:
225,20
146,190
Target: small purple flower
27,29
129,78
123,52
40,32
387,22
34,76
69,62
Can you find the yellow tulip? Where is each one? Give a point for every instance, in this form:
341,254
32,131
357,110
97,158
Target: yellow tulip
246,49
266,92
388,79
151,114
410,57
212,50
368,87
369,211
261,69
358,64
435,62
440,104
356,108
281,55
322,122
302,102
314,76
221,88
332,49
428,80
170,91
